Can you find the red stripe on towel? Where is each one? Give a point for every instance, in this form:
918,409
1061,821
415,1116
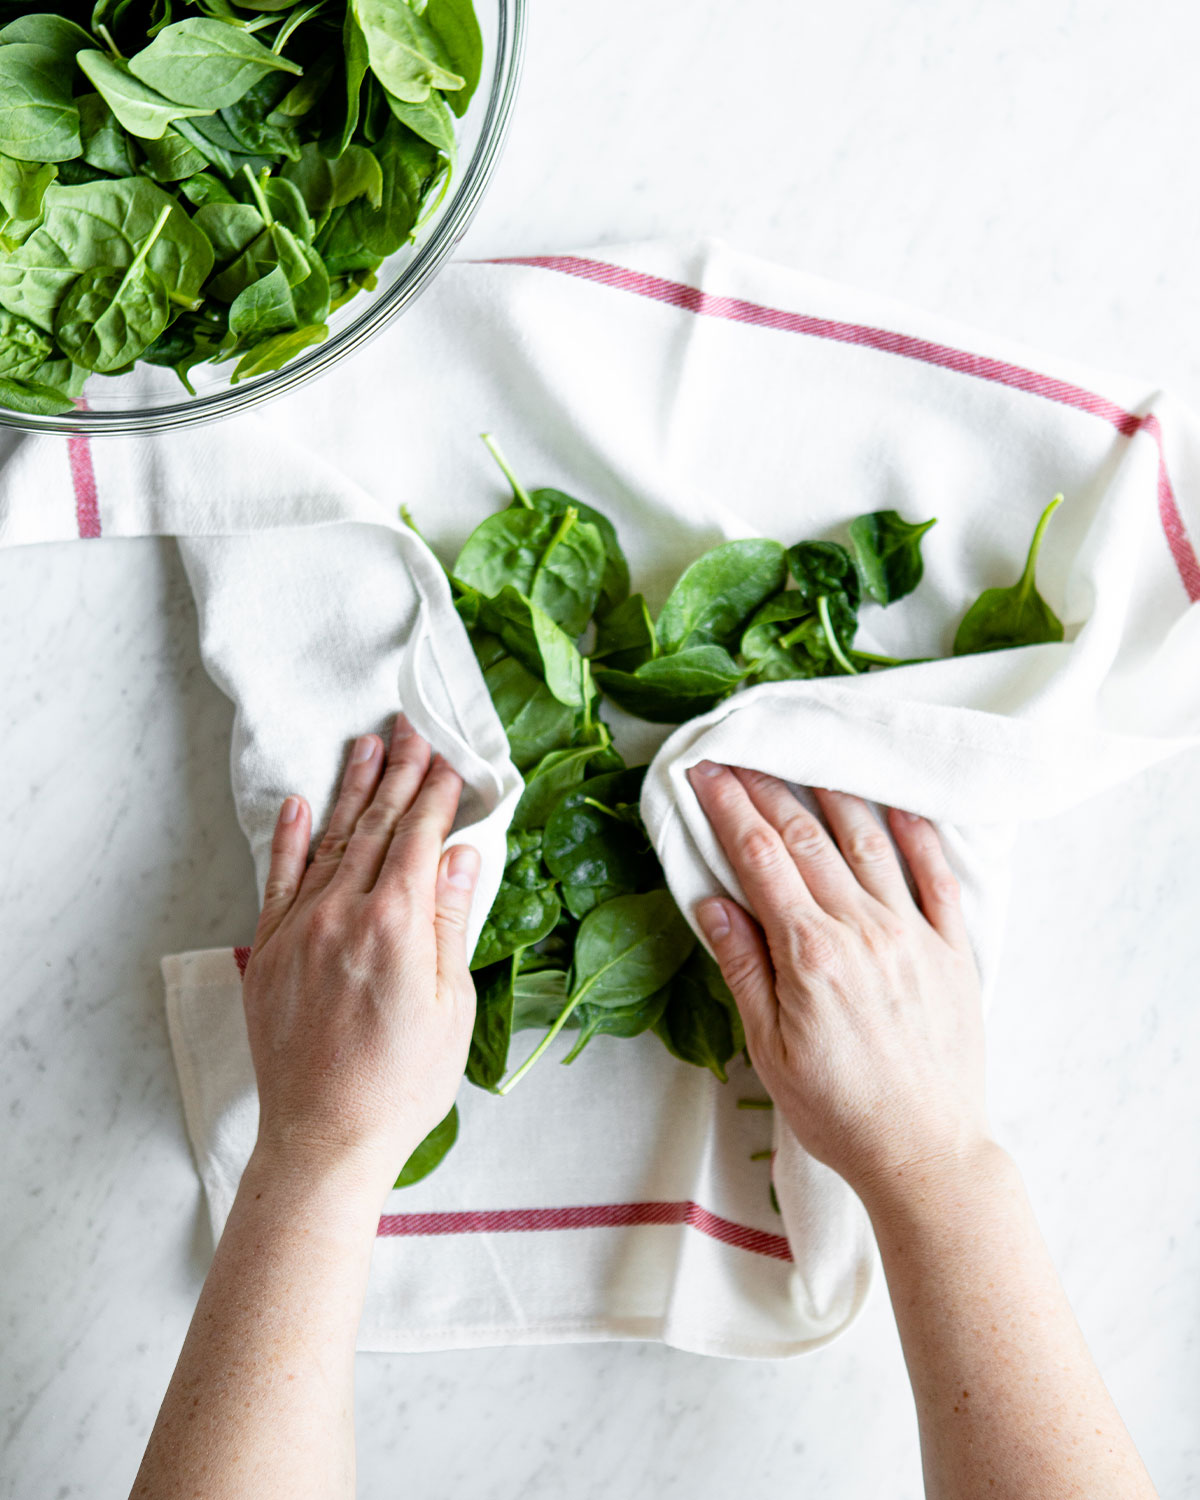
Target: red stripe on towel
241,957
961,361
83,479
596,1216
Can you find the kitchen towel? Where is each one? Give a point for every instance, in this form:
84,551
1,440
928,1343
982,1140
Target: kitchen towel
693,394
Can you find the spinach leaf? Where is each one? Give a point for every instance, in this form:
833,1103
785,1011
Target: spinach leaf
493,1029
618,1020
105,144
614,581
538,996
110,314
405,55
1016,616
555,561
887,553
23,348
595,843
431,120
625,951
670,689
790,638
172,157
539,645
454,24
143,111
56,33
102,224
205,62
625,636
22,187
34,397
432,1150
823,568
553,776
274,352
360,235
38,118
525,909
533,719
700,1023
719,592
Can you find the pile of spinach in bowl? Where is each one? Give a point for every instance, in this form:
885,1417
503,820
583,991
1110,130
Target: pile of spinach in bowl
183,183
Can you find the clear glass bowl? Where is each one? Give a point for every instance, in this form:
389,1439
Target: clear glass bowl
152,399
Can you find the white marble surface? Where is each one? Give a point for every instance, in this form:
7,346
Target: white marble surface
1027,166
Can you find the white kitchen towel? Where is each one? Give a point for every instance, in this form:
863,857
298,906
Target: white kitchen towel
693,394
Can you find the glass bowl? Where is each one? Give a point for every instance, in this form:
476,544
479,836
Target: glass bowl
153,399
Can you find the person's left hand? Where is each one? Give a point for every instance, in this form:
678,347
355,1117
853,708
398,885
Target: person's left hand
359,999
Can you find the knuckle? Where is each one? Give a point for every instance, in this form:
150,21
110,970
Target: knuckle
740,969
868,846
277,891
759,849
331,848
324,923
376,821
803,837
813,945
945,888
453,918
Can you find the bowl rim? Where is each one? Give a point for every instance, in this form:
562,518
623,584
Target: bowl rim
416,277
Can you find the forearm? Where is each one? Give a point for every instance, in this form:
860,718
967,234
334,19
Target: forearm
1008,1399
262,1400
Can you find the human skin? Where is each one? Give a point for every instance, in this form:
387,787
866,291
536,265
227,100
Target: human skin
359,1005
862,1013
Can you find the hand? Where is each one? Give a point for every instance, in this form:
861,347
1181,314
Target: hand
359,1000
861,1008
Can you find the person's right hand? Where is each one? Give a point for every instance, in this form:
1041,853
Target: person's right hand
861,1007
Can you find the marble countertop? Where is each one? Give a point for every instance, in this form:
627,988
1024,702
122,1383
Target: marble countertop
1027,167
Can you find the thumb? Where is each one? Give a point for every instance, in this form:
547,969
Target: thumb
458,873
741,951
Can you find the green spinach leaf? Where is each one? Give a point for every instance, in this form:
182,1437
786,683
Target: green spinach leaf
595,843
673,688
700,1023
719,592
38,118
1016,616
887,554
432,1150
205,62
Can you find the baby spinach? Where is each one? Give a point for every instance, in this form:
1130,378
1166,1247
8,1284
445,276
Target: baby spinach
822,568
670,689
533,718
526,908
625,636
205,62
554,775
280,109
432,1150
625,951
1015,616
110,315
38,118
887,553
700,1023
719,592
595,843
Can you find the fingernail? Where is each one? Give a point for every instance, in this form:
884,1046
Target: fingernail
906,817
714,919
364,749
462,868
402,728
290,810
707,768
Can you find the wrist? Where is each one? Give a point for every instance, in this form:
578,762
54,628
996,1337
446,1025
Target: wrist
906,1192
343,1188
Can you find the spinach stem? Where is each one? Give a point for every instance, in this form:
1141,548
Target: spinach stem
260,198
109,43
519,493
139,259
835,645
1028,577
762,1155
793,635
569,517
563,1017
755,1104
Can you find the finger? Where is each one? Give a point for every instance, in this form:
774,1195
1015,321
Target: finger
457,875
937,888
741,951
358,786
416,847
768,874
816,856
289,854
866,848
407,763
